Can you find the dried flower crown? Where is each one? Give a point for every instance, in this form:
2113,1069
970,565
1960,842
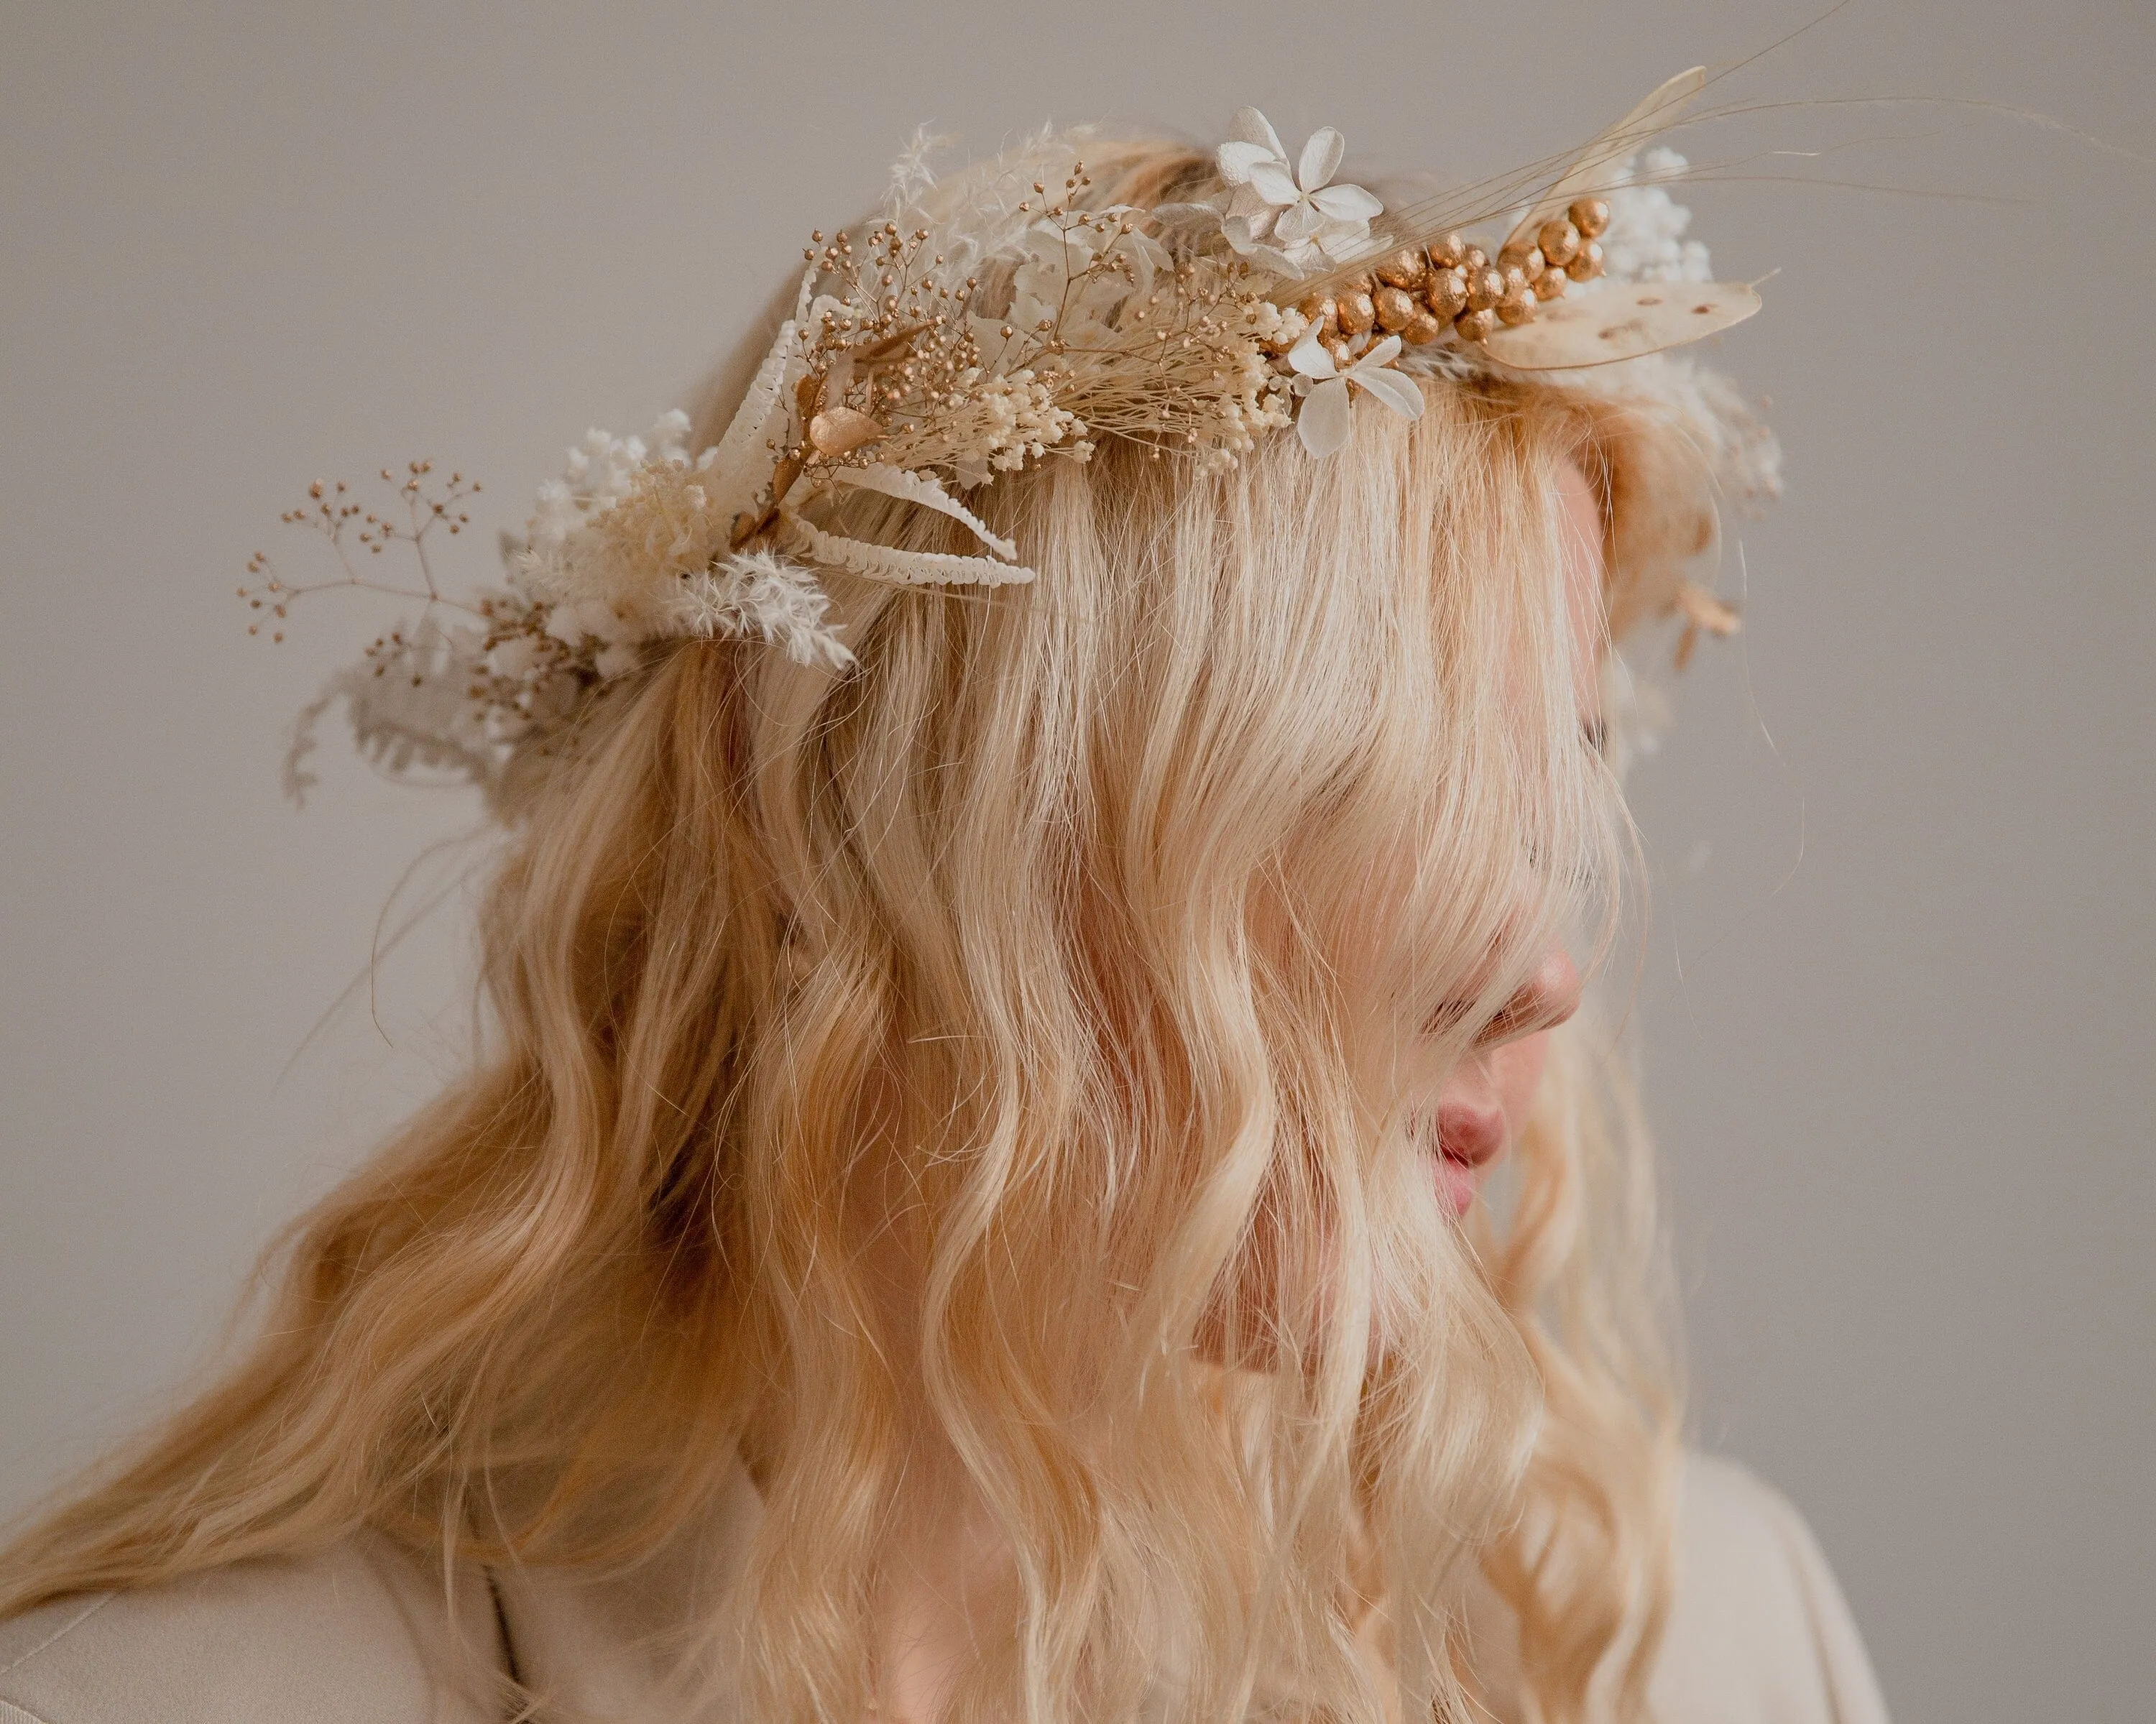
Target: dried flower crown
988,324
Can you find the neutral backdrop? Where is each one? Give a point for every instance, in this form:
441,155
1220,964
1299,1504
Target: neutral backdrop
1897,998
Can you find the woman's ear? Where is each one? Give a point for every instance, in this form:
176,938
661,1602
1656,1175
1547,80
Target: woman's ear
1658,509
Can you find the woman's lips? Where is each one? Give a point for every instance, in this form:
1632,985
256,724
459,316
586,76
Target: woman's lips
1468,1139
1456,1183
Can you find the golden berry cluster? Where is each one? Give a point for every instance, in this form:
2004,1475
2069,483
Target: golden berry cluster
1420,293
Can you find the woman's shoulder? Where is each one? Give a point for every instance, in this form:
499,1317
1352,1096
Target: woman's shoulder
1758,1629
357,1634
354,1633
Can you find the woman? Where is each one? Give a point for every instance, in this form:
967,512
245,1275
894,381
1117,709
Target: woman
1052,844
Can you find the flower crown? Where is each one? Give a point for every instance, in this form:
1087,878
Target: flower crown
992,322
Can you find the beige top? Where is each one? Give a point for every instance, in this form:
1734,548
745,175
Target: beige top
359,1634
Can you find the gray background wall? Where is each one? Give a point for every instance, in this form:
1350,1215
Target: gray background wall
1897,998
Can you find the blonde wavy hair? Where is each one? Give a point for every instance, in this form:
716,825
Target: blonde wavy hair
1089,937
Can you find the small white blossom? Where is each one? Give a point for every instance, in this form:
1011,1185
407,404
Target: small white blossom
1644,241
515,657
1293,216
1277,325
595,588
598,474
618,660
1323,422
1018,420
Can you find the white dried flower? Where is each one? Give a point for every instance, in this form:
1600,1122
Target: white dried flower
1293,216
1324,421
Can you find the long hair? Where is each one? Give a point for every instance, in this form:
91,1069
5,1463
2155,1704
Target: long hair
1080,947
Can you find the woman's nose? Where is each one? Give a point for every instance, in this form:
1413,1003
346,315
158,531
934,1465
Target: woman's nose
1549,997
1555,986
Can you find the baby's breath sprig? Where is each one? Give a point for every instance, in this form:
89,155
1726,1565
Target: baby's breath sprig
332,511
